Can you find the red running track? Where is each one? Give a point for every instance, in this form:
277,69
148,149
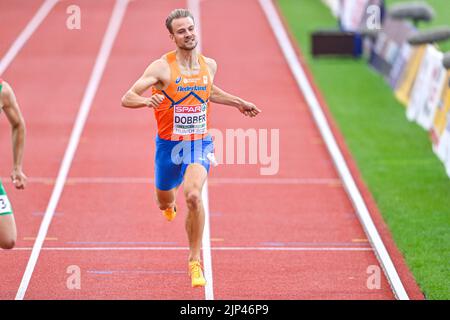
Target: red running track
297,215
293,235
49,77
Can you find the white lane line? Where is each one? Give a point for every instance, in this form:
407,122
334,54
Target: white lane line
186,249
194,7
31,27
339,161
298,181
137,180
94,81
206,241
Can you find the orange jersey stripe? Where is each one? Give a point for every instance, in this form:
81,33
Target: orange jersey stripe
184,114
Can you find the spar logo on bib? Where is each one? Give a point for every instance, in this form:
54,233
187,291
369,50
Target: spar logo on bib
190,119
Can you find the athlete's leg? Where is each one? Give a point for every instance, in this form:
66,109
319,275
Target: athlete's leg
8,232
194,178
166,199
168,177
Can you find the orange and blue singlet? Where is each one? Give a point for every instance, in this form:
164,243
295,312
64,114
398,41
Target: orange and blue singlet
183,123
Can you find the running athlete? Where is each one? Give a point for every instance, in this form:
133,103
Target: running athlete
8,104
182,87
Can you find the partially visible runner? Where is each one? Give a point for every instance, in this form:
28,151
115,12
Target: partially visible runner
182,87
8,103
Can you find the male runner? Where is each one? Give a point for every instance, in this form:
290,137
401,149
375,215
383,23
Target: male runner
182,87
8,104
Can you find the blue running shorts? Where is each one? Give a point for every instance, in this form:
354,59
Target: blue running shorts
173,157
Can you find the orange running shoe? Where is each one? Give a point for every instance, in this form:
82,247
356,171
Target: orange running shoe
170,213
196,274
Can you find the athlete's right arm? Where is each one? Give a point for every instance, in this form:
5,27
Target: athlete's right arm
152,75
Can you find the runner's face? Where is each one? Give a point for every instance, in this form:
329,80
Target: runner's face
184,34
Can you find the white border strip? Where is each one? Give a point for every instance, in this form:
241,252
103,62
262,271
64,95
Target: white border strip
194,7
215,181
34,23
206,241
186,249
102,58
355,195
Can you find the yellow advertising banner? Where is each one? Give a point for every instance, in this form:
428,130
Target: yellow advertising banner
440,118
409,75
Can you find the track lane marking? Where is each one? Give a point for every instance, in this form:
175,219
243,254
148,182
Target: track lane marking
26,34
99,67
187,248
137,180
352,190
194,7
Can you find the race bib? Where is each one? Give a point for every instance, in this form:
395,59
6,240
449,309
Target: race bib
190,119
5,206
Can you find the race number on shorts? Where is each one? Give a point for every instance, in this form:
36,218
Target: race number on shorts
190,119
5,206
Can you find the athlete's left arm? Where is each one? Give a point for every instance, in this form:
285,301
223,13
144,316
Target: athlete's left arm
220,96
15,118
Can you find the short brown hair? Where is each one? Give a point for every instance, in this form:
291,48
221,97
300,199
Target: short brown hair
177,14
